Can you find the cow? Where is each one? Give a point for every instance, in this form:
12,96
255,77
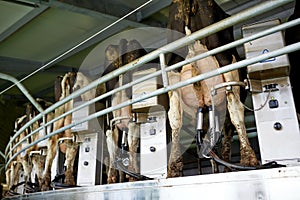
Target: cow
115,57
64,86
38,151
31,160
33,157
195,15
15,167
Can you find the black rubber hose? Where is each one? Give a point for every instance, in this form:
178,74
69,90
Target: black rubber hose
133,174
57,185
269,165
230,165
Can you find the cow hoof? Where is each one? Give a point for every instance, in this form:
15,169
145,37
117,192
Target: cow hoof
248,158
175,169
70,182
45,188
45,184
111,180
69,178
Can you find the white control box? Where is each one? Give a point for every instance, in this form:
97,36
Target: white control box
89,161
153,146
273,103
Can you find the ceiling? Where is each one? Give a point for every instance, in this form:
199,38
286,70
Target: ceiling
57,36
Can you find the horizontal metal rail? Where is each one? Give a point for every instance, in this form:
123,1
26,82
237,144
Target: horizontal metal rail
235,19
23,90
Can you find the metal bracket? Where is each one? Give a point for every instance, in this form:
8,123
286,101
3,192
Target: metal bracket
227,85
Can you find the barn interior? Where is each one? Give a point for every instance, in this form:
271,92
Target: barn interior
42,39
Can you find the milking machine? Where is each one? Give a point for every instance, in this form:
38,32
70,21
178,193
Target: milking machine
273,104
150,116
58,166
89,137
149,123
207,140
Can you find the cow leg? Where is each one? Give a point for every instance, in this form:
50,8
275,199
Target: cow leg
175,165
121,176
71,151
38,162
27,167
111,152
15,173
51,153
236,112
8,177
133,143
11,175
226,142
51,150
111,147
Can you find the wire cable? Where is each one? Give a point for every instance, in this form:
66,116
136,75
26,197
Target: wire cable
254,109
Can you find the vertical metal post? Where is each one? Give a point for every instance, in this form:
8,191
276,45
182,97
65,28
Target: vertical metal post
163,69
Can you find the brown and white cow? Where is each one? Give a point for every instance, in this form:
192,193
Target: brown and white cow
62,89
196,15
64,86
16,166
32,157
37,152
115,57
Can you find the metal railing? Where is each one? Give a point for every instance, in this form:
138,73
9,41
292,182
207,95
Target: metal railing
159,53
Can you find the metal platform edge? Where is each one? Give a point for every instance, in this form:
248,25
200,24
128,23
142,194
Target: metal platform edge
264,184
